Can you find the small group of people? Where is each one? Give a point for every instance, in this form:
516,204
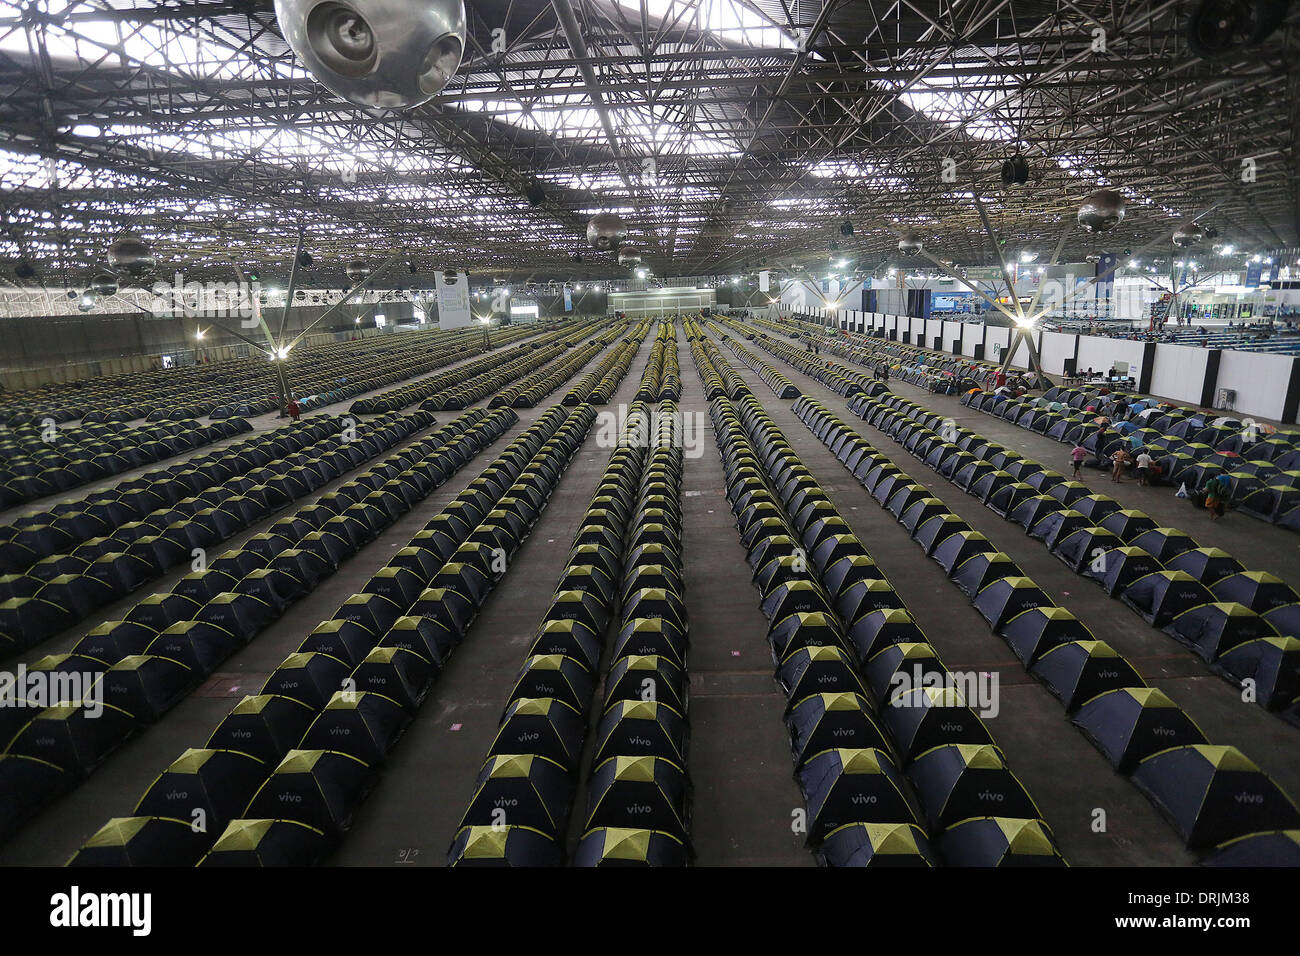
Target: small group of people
882,372
1217,490
1142,463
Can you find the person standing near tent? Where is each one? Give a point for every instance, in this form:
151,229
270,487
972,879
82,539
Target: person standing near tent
1217,490
1143,467
1120,458
1077,454
294,409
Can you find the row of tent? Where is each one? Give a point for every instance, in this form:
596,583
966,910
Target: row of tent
841,380
624,560
848,655
1261,463
598,386
103,569
171,642
481,383
463,386
661,378
1244,623
316,738
1262,474
772,378
404,396
93,452
237,386
36,536
1140,731
717,376
529,391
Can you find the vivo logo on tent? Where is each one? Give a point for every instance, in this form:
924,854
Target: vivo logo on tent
991,795
73,910
863,798
1249,798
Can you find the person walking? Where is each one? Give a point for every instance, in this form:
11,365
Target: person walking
294,409
1077,454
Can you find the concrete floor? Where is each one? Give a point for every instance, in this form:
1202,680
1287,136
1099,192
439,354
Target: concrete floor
739,758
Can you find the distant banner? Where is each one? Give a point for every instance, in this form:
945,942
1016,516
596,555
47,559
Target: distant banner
764,278
568,299
1273,271
453,300
1254,274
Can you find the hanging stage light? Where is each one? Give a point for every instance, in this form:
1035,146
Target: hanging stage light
392,54
606,232
131,255
1102,210
1188,235
910,244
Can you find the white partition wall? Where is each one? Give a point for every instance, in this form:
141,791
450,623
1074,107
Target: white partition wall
952,333
1260,381
1054,350
996,339
1100,354
933,333
1179,372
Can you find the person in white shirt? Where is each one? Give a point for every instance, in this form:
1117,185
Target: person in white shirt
1143,466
